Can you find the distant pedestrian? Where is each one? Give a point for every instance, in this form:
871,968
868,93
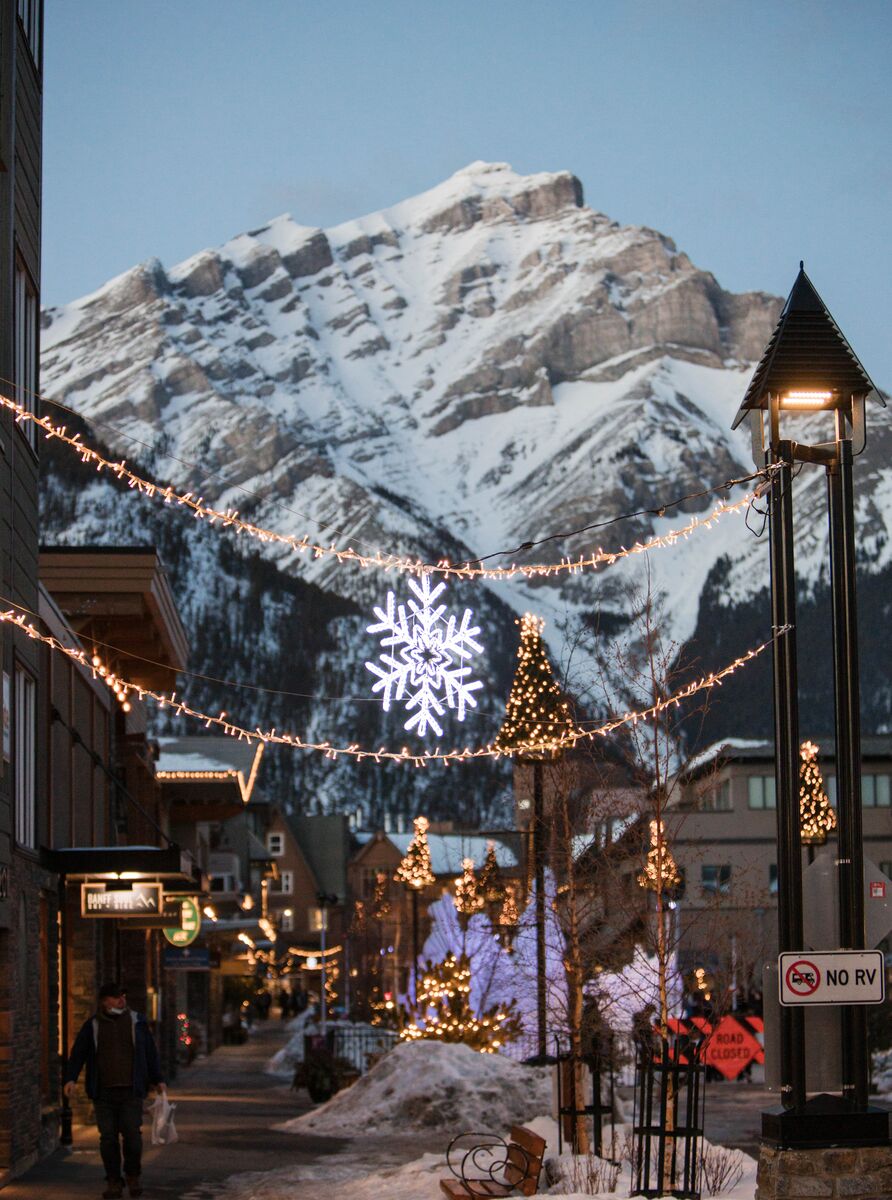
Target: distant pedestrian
121,1060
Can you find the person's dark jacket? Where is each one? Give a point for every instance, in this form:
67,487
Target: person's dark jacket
146,1064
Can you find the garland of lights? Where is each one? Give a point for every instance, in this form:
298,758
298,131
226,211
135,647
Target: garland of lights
19,620
229,519
816,816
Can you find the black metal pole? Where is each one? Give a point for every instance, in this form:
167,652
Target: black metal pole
850,857
66,1116
539,849
786,749
414,933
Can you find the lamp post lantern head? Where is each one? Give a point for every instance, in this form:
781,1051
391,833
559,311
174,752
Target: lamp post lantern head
807,367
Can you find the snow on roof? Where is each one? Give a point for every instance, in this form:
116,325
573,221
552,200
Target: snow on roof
448,850
203,757
720,750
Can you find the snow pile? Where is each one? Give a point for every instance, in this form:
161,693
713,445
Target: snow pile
882,1072
432,1086
346,1179
285,1060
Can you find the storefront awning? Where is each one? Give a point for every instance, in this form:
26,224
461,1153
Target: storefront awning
170,864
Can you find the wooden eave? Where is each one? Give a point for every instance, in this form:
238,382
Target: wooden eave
120,597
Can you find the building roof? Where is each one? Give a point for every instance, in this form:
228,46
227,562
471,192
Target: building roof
325,844
873,746
209,759
448,850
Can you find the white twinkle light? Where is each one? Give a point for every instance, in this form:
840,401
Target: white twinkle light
425,657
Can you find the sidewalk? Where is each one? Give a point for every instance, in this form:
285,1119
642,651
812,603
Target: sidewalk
225,1108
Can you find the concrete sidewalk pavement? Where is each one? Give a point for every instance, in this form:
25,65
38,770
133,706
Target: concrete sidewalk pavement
226,1106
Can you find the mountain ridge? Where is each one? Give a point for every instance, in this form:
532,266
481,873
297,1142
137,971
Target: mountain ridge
471,369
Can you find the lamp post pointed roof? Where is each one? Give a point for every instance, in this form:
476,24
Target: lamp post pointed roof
807,351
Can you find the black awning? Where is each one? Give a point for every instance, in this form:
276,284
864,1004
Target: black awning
169,863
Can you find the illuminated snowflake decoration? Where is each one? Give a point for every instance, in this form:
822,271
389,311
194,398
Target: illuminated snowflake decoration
425,657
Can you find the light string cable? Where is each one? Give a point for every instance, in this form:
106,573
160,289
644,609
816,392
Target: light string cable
230,519
19,620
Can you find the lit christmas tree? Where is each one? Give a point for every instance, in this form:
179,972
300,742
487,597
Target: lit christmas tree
380,900
816,817
468,897
538,721
443,1012
660,872
509,919
489,881
415,869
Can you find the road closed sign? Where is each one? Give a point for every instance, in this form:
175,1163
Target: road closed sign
832,977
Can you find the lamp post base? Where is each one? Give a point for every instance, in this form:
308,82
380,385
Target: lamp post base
861,1173
826,1121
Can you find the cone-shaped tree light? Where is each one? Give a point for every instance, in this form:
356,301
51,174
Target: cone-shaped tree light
538,722
816,817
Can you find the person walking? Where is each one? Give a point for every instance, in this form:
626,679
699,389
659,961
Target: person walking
118,1051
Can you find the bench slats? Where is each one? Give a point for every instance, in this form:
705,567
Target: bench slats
525,1153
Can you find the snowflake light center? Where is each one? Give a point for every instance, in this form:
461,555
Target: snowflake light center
425,657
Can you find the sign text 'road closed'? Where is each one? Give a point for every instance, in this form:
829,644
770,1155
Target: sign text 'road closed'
832,977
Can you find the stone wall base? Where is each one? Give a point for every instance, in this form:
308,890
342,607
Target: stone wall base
835,1172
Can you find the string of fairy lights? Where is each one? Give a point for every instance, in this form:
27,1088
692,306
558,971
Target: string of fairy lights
123,688
230,519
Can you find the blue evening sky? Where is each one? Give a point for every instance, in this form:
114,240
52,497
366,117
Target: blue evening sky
754,133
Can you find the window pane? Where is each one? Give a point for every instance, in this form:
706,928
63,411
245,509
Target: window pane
770,791
756,792
881,784
830,789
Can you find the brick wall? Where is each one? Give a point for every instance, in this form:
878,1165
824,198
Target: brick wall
28,1030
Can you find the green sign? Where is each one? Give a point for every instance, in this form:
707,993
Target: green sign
191,925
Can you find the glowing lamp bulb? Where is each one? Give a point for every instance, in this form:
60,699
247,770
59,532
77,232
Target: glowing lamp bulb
807,399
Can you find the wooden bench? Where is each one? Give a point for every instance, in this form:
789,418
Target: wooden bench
485,1165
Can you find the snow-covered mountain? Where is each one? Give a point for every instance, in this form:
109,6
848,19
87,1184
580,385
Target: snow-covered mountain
475,368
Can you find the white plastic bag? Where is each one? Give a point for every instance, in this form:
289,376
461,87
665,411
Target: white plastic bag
164,1131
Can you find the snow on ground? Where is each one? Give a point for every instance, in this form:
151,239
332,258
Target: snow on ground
428,1085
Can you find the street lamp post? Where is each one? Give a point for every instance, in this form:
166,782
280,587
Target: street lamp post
807,368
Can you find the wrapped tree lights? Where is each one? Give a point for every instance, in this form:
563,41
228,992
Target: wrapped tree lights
443,1012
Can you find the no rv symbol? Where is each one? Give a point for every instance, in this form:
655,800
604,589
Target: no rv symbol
803,978
832,977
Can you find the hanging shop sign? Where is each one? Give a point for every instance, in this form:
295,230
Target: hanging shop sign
835,977
187,958
190,924
136,900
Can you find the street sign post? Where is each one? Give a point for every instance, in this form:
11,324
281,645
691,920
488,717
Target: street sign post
831,977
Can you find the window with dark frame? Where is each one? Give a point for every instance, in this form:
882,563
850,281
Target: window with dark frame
25,764
275,843
25,316
717,797
29,15
761,792
284,885
715,879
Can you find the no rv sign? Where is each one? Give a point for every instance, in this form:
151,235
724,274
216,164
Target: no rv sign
834,977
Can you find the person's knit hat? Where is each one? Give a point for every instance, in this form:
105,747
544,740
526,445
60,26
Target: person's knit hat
112,990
